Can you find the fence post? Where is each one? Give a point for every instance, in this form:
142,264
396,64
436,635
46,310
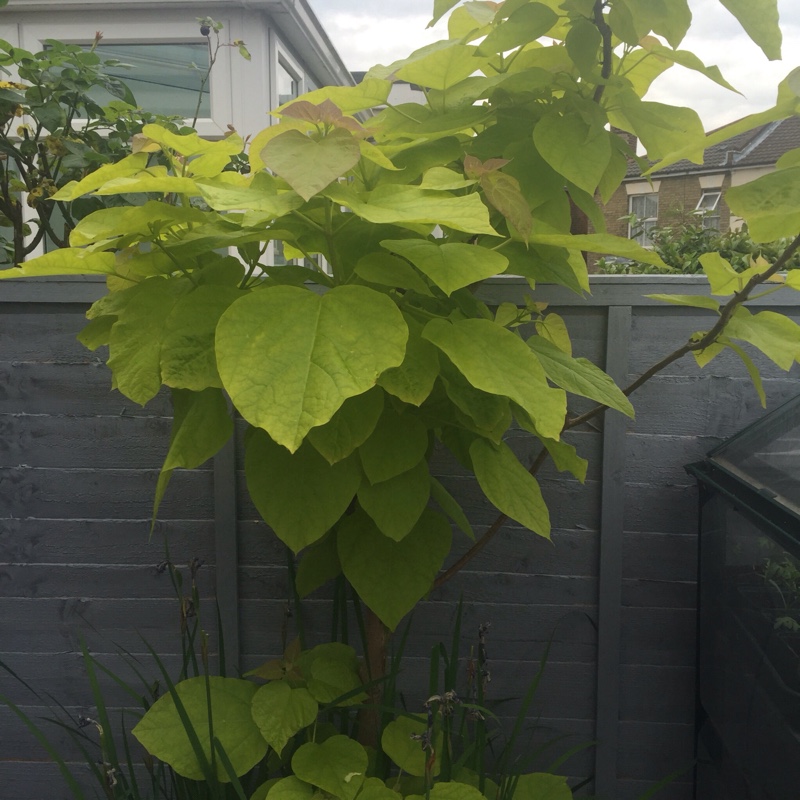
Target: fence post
612,520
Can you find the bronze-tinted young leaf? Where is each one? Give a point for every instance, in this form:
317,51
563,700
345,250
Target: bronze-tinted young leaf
503,192
308,165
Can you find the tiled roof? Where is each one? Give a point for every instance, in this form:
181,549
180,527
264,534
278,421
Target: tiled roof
762,146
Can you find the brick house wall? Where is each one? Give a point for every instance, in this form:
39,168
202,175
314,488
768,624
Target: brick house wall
679,187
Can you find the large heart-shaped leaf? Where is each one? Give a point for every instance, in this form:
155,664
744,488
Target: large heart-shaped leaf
497,361
396,445
391,577
289,358
187,350
407,752
350,426
542,786
134,353
578,151
336,766
163,734
300,495
281,711
308,165
396,505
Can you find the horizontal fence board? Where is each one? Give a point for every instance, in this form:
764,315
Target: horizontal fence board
658,636
648,593
104,494
648,749
42,334
105,624
109,442
117,581
656,693
103,541
81,389
63,676
660,556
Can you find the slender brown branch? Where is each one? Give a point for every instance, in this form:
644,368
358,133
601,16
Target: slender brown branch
707,339
608,54
725,314
489,534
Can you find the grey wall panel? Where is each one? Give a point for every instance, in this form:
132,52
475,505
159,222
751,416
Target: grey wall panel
79,463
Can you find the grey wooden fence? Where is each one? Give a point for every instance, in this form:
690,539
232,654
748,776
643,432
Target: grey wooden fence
616,588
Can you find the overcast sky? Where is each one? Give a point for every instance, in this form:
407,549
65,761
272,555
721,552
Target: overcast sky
368,32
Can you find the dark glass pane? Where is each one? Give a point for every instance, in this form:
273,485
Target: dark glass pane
164,78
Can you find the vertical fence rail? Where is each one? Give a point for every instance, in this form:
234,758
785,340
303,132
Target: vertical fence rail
612,522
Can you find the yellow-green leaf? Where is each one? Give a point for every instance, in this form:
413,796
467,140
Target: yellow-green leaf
281,711
391,577
509,486
163,734
289,358
449,266
497,361
443,68
308,165
299,495
775,335
761,23
770,204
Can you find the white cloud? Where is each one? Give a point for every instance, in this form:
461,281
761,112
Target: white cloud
366,33
366,39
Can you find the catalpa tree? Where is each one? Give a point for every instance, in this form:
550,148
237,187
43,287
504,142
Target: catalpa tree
353,364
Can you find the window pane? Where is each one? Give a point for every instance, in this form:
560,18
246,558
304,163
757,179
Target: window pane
164,78
708,201
288,85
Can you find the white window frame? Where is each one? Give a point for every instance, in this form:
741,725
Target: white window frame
124,29
709,214
644,224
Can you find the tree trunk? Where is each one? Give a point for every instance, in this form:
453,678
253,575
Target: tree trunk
369,719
